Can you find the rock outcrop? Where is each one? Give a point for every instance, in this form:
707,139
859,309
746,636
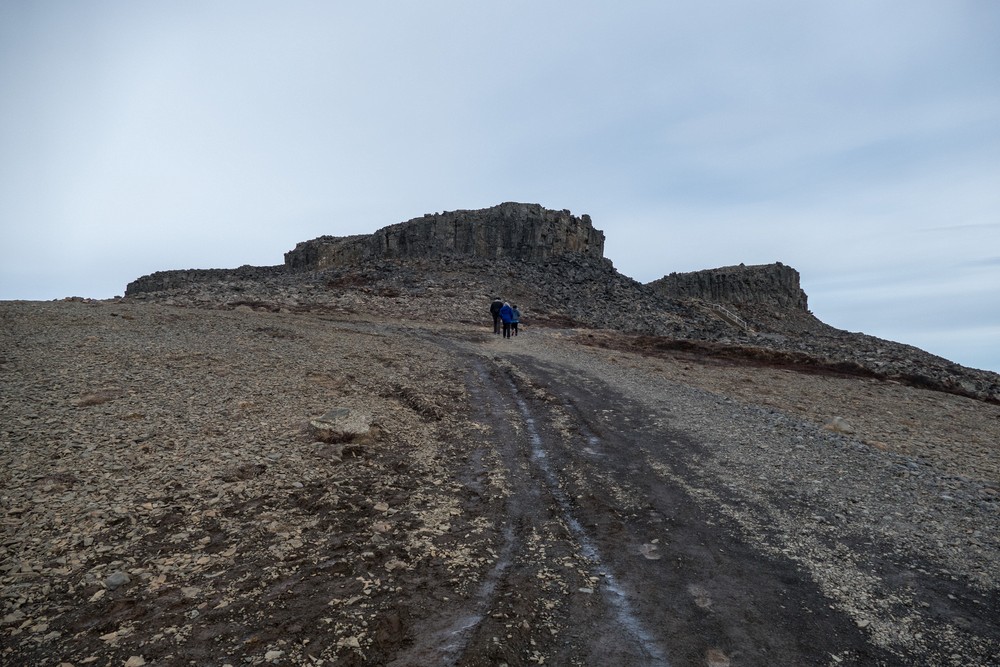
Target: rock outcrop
447,267
161,281
522,232
518,232
774,285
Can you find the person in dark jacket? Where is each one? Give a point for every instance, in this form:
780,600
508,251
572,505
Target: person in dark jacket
507,315
495,312
515,319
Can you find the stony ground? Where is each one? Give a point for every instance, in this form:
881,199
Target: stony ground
560,498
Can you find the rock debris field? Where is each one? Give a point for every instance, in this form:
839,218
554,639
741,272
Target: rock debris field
185,486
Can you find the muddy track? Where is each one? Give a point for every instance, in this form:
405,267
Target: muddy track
687,574
614,546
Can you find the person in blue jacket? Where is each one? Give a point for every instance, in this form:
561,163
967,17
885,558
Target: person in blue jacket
507,315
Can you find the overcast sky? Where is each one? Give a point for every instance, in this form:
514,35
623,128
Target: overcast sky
857,141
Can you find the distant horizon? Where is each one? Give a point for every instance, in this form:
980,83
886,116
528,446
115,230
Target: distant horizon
856,142
811,306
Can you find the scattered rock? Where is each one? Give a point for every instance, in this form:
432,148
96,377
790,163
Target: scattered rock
650,551
340,425
716,658
116,580
839,425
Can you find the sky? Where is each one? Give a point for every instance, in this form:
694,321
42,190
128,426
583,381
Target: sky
857,141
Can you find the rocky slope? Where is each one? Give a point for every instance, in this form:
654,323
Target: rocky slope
334,462
178,488
446,266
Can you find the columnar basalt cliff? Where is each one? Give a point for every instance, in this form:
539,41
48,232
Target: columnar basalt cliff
764,284
447,266
522,232
508,231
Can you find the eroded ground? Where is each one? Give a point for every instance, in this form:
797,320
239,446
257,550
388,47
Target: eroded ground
532,501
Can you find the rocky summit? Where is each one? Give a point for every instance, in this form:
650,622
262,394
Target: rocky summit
335,461
445,266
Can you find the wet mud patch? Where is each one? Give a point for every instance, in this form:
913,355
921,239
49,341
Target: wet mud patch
626,504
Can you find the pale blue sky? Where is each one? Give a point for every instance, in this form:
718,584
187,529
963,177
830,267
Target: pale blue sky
856,141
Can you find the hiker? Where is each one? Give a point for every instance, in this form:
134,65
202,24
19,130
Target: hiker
506,314
514,320
495,312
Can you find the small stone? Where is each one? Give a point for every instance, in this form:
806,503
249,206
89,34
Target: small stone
650,551
116,580
13,618
839,425
272,656
340,425
716,658
135,661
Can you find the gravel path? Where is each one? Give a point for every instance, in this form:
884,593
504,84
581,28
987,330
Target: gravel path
905,546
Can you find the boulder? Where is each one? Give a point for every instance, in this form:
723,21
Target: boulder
341,425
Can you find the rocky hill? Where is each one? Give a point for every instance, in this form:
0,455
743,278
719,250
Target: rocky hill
447,267
264,484
335,462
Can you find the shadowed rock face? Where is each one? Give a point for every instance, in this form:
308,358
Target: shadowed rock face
523,232
764,284
180,278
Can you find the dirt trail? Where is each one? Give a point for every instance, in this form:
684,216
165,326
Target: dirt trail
620,547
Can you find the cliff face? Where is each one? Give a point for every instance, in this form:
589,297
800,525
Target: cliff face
447,267
765,284
519,232
523,232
